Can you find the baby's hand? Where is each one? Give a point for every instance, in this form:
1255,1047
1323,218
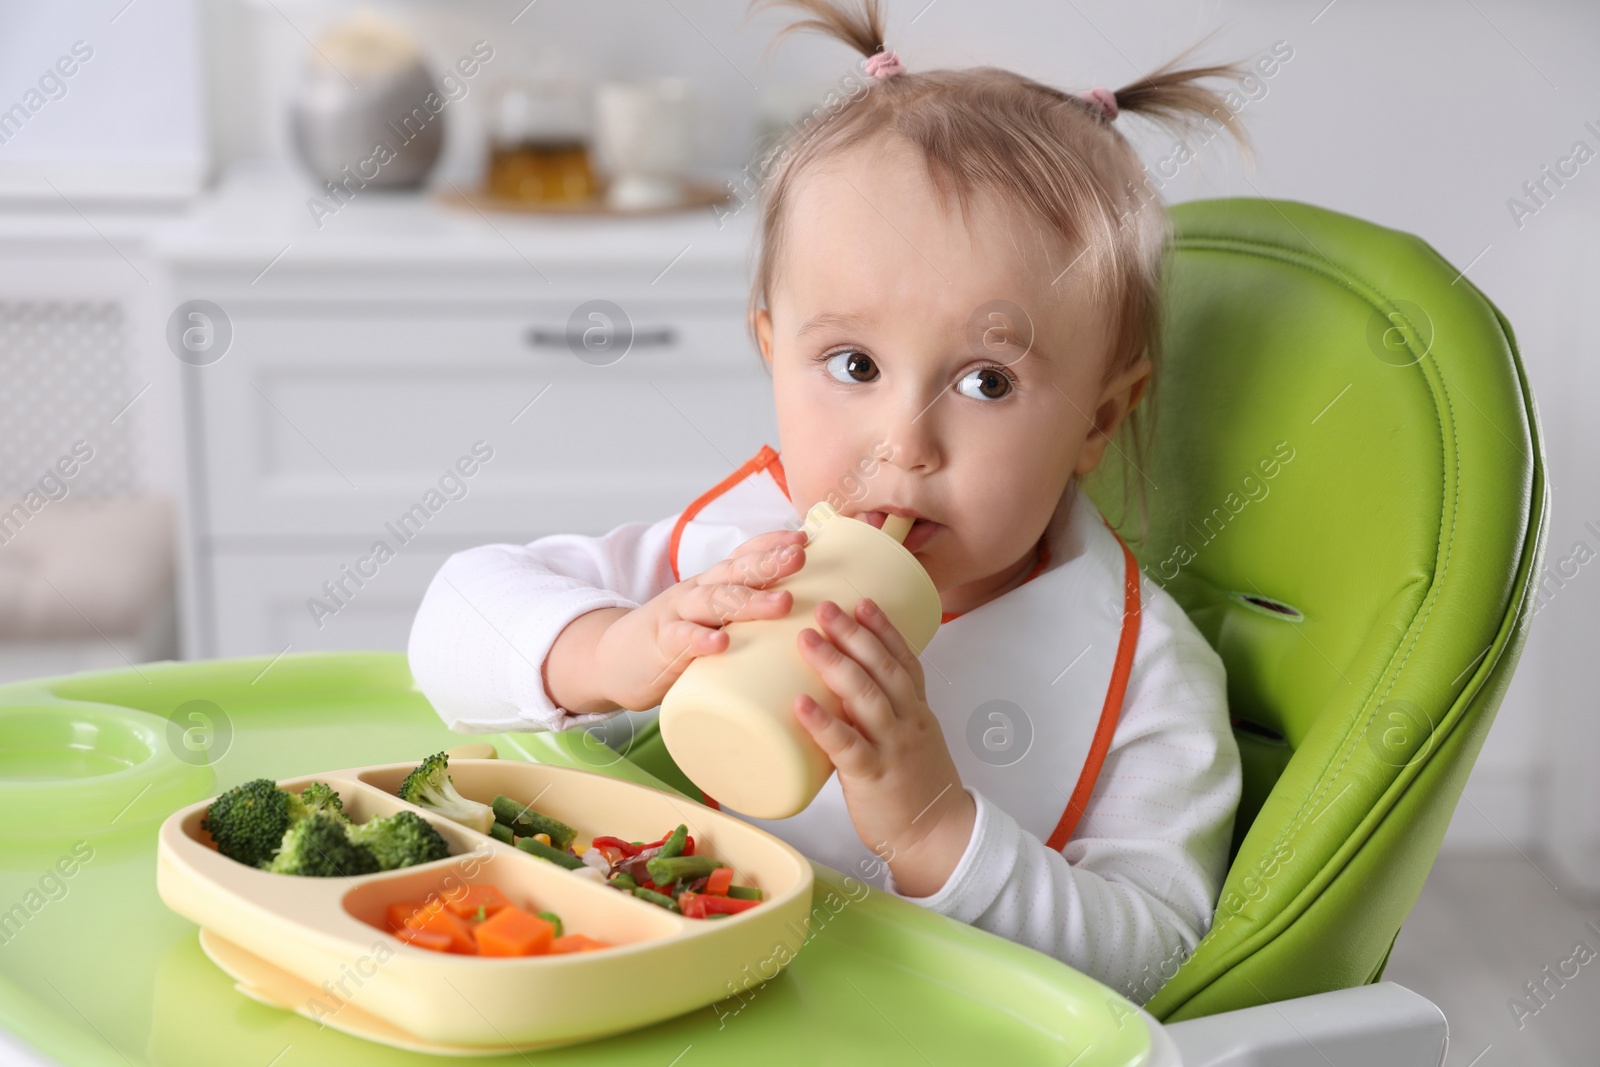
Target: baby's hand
642,652
902,788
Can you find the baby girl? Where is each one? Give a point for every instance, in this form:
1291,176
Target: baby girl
957,299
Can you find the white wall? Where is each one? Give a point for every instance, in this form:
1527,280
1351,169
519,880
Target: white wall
99,99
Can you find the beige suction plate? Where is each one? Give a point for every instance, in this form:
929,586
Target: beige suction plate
277,988
321,946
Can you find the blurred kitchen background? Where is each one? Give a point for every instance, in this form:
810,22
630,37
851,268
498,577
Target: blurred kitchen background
224,382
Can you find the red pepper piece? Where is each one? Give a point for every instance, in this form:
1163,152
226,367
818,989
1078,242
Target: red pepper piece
700,905
692,905
627,848
725,905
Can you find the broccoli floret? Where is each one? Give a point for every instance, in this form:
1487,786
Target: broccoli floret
248,821
316,797
429,786
403,839
319,847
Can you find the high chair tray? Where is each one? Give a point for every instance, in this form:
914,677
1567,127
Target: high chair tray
96,970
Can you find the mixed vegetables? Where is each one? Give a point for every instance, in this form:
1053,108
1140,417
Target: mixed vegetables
480,920
667,872
308,834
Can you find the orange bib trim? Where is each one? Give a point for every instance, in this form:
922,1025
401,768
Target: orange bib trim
756,463
1112,709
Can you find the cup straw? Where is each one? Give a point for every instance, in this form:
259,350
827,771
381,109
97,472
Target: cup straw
896,526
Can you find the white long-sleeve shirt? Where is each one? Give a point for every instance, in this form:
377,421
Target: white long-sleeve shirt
1127,897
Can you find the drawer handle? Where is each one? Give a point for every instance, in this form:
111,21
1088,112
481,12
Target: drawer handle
662,336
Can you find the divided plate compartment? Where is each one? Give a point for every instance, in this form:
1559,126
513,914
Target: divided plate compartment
322,946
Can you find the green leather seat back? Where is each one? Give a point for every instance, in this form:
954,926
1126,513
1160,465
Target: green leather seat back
1347,495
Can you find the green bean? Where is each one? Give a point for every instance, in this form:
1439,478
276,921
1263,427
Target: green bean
506,810
656,898
665,869
546,852
527,822
674,843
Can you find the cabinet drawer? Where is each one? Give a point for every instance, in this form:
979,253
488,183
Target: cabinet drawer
261,601
338,425
374,334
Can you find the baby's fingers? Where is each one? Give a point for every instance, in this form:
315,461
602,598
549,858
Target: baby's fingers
715,605
760,561
872,617
849,751
769,540
679,642
874,656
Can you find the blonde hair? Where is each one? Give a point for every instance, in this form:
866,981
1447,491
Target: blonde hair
1051,153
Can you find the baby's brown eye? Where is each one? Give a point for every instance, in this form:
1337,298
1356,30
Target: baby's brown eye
985,383
854,367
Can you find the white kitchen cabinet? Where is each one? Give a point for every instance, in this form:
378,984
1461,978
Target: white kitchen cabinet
366,360
261,597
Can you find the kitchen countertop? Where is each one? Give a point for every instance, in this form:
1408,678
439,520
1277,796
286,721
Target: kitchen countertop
259,216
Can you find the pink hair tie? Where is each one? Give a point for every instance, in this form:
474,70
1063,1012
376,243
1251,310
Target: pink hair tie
1102,100
885,64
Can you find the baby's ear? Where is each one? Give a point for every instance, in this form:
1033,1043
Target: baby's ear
1120,397
1122,393
762,318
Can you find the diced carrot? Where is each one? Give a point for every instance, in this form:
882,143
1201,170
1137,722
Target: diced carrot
718,881
466,901
513,932
576,943
423,939
435,918
400,913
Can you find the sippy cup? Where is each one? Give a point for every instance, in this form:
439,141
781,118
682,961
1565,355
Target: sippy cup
728,720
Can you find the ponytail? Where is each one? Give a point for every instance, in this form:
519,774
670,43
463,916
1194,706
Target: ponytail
862,30
1170,96
1173,98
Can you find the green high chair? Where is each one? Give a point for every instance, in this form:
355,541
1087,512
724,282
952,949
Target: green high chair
1347,495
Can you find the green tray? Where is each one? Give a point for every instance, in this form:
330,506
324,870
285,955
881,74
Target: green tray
94,969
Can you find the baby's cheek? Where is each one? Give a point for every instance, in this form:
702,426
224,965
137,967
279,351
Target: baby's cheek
983,549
